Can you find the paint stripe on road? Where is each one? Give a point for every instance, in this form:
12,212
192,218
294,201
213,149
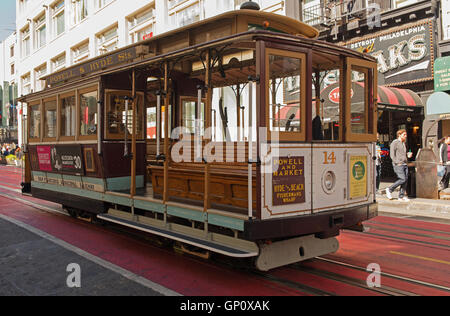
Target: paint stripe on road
419,257
125,273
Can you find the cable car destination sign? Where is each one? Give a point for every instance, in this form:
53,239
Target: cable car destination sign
92,66
288,180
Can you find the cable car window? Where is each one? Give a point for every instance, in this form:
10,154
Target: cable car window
359,101
88,113
117,117
50,119
189,116
361,98
35,120
68,116
286,94
327,97
151,121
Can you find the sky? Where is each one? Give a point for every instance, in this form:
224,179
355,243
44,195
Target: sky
7,18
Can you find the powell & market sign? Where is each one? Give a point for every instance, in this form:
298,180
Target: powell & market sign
405,54
95,65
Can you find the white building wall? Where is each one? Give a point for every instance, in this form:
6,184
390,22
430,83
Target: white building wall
445,6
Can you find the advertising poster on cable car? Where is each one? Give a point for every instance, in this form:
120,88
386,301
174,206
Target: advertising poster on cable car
358,177
60,159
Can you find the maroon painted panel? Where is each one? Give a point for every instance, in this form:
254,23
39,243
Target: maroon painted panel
116,165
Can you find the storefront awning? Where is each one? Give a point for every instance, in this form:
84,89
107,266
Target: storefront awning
389,98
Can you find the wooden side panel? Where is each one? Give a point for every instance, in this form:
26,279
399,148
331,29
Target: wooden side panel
227,190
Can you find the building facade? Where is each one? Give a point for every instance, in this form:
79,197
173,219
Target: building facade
8,90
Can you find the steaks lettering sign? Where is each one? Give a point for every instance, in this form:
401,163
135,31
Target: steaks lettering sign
288,180
404,54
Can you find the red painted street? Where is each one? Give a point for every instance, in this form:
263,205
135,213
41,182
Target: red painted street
413,255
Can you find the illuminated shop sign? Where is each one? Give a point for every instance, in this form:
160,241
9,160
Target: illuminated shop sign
405,54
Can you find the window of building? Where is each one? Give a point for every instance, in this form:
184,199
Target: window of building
26,47
59,62
107,41
68,116
40,33
58,18
23,5
88,113
404,3
12,69
50,119
11,51
141,25
78,11
35,120
102,3
185,16
80,52
39,72
26,84
237,3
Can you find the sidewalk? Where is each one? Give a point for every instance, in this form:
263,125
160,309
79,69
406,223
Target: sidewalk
415,207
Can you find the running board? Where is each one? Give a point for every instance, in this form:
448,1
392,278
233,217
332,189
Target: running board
225,245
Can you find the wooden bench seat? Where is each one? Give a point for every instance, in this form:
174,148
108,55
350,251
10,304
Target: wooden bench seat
228,189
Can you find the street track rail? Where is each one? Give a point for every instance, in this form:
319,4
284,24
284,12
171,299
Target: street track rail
385,274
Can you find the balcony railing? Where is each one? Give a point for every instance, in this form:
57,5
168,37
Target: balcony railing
332,12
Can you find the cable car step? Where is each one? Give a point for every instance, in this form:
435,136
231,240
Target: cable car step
221,244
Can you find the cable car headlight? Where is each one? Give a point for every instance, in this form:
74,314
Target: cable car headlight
329,181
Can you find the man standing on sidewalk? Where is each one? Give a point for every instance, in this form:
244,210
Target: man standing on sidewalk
399,161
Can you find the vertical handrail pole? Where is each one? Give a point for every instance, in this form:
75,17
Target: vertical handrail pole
99,128
197,138
250,149
125,148
158,122
166,137
133,136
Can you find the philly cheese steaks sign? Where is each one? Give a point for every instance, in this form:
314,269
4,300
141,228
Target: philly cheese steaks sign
404,54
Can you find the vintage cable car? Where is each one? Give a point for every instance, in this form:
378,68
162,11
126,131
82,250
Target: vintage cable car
214,135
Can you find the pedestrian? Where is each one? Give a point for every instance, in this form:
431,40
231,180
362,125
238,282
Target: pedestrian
378,163
19,156
399,161
443,160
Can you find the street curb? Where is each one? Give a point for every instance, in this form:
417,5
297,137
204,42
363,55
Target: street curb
416,207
